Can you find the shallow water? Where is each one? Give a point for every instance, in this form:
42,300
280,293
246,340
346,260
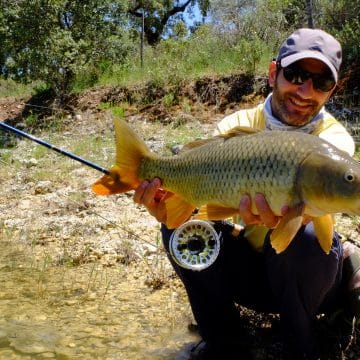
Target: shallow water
86,312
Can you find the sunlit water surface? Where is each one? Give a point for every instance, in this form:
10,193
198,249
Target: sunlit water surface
86,312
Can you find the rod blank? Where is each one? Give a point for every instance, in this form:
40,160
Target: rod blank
52,147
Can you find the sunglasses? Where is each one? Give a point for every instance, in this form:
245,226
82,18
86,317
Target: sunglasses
296,75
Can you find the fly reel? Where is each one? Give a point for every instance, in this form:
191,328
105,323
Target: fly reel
195,245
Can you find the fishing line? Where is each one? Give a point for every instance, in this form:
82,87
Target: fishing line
130,232
42,107
136,237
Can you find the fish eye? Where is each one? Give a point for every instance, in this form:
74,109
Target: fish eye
349,176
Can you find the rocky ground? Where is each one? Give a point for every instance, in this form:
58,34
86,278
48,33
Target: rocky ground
51,208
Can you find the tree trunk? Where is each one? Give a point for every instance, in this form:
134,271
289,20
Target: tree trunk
153,26
309,14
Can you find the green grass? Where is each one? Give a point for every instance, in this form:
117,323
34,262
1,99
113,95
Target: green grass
9,88
172,62
116,110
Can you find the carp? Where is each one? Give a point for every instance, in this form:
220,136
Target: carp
307,174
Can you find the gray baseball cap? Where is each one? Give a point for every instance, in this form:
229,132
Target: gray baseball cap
311,43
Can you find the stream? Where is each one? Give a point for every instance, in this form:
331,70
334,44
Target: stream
86,312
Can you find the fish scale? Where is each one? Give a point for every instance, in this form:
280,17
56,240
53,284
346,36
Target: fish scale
301,171
222,170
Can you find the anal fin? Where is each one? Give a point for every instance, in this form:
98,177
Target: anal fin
324,230
215,212
287,228
178,211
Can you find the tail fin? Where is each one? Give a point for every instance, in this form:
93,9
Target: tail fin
130,151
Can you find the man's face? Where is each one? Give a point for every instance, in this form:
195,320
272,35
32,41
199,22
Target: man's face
295,104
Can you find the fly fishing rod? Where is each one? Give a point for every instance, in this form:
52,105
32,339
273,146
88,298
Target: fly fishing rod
195,245
52,147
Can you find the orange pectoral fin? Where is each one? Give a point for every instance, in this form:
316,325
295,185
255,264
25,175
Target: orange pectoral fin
215,212
287,228
324,230
110,184
178,211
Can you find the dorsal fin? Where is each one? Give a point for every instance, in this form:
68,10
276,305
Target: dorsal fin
236,131
197,143
239,131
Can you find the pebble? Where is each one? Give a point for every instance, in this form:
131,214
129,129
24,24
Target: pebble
43,187
71,302
29,162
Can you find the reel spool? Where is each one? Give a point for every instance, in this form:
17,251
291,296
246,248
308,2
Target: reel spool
195,245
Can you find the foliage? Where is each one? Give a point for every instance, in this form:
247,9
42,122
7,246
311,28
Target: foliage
73,45
160,16
252,20
53,40
349,36
335,14
205,53
272,20
338,17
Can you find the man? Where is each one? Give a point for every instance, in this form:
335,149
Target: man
302,281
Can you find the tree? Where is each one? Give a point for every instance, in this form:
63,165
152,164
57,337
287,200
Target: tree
250,20
158,15
229,15
341,19
52,40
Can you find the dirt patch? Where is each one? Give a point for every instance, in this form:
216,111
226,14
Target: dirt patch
11,108
206,100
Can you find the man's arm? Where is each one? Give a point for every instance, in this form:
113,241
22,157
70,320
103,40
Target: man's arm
338,136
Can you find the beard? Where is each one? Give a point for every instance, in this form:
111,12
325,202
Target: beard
291,109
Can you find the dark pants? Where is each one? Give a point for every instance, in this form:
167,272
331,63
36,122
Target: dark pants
298,284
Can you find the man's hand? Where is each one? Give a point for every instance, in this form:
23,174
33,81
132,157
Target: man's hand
149,194
266,216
